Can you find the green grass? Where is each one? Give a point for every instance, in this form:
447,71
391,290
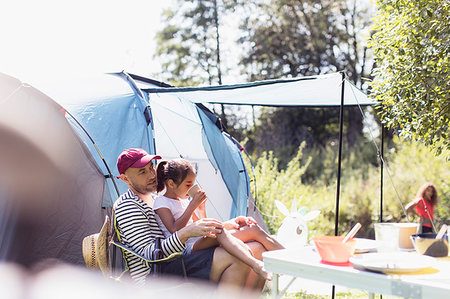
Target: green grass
352,293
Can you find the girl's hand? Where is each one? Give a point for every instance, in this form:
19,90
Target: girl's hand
198,199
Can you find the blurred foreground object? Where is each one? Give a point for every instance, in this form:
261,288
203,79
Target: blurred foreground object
68,281
48,182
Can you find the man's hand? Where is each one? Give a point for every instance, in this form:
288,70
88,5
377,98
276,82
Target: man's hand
204,227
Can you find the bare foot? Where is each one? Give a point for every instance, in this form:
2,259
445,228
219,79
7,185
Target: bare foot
259,269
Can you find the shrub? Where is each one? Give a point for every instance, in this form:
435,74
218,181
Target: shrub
410,165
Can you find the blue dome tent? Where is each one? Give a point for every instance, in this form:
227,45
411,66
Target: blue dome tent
111,112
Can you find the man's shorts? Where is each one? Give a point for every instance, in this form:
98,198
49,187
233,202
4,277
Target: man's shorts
198,264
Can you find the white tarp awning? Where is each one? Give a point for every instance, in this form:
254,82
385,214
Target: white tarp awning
316,91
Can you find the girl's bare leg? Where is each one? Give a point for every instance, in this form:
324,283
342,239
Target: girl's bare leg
204,243
235,247
255,281
254,232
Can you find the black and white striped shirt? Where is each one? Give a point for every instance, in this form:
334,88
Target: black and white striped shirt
138,229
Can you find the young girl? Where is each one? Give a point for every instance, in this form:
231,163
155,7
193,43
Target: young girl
174,211
423,205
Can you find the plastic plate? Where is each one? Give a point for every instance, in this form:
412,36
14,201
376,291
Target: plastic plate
395,262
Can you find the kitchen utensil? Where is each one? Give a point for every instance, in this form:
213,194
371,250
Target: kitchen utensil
352,232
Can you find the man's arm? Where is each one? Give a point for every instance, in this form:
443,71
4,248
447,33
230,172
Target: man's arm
138,229
204,227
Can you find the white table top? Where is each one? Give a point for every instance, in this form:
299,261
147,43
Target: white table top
306,263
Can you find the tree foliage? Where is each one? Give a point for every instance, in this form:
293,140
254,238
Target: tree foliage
412,48
360,188
281,130
287,38
280,38
190,43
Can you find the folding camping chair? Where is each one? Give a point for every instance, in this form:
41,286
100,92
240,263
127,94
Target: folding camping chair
96,249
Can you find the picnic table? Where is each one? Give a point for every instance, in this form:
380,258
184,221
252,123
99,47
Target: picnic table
432,282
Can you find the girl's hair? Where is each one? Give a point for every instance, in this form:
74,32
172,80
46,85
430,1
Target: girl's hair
176,170
422,193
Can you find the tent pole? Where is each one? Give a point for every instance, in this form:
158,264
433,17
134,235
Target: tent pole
338,187
381,177
110,175
381,173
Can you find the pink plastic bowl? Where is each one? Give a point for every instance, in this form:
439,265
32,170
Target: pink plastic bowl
332,250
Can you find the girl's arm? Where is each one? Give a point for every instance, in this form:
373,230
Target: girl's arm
410,206
199,202
169,221
201,211
195,217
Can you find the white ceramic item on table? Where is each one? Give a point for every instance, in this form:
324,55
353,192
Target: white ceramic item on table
386,235
392,262
365,245
293,231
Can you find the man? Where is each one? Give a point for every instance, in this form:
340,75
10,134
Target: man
138,229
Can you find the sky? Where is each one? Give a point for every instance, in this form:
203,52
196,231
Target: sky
40,37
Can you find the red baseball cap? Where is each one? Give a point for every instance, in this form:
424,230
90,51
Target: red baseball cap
134,158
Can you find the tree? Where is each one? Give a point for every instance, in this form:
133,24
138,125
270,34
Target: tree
281,130
411,44
305,37
288,38
190,43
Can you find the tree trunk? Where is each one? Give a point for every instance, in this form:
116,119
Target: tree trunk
355,125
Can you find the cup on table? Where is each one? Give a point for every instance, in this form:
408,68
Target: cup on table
406,230
191,192
386,235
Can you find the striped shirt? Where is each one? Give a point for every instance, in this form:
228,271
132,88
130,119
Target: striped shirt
137,228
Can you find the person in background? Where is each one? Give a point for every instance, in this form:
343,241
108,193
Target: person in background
423,205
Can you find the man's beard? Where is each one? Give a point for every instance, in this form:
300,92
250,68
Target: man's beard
144,189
